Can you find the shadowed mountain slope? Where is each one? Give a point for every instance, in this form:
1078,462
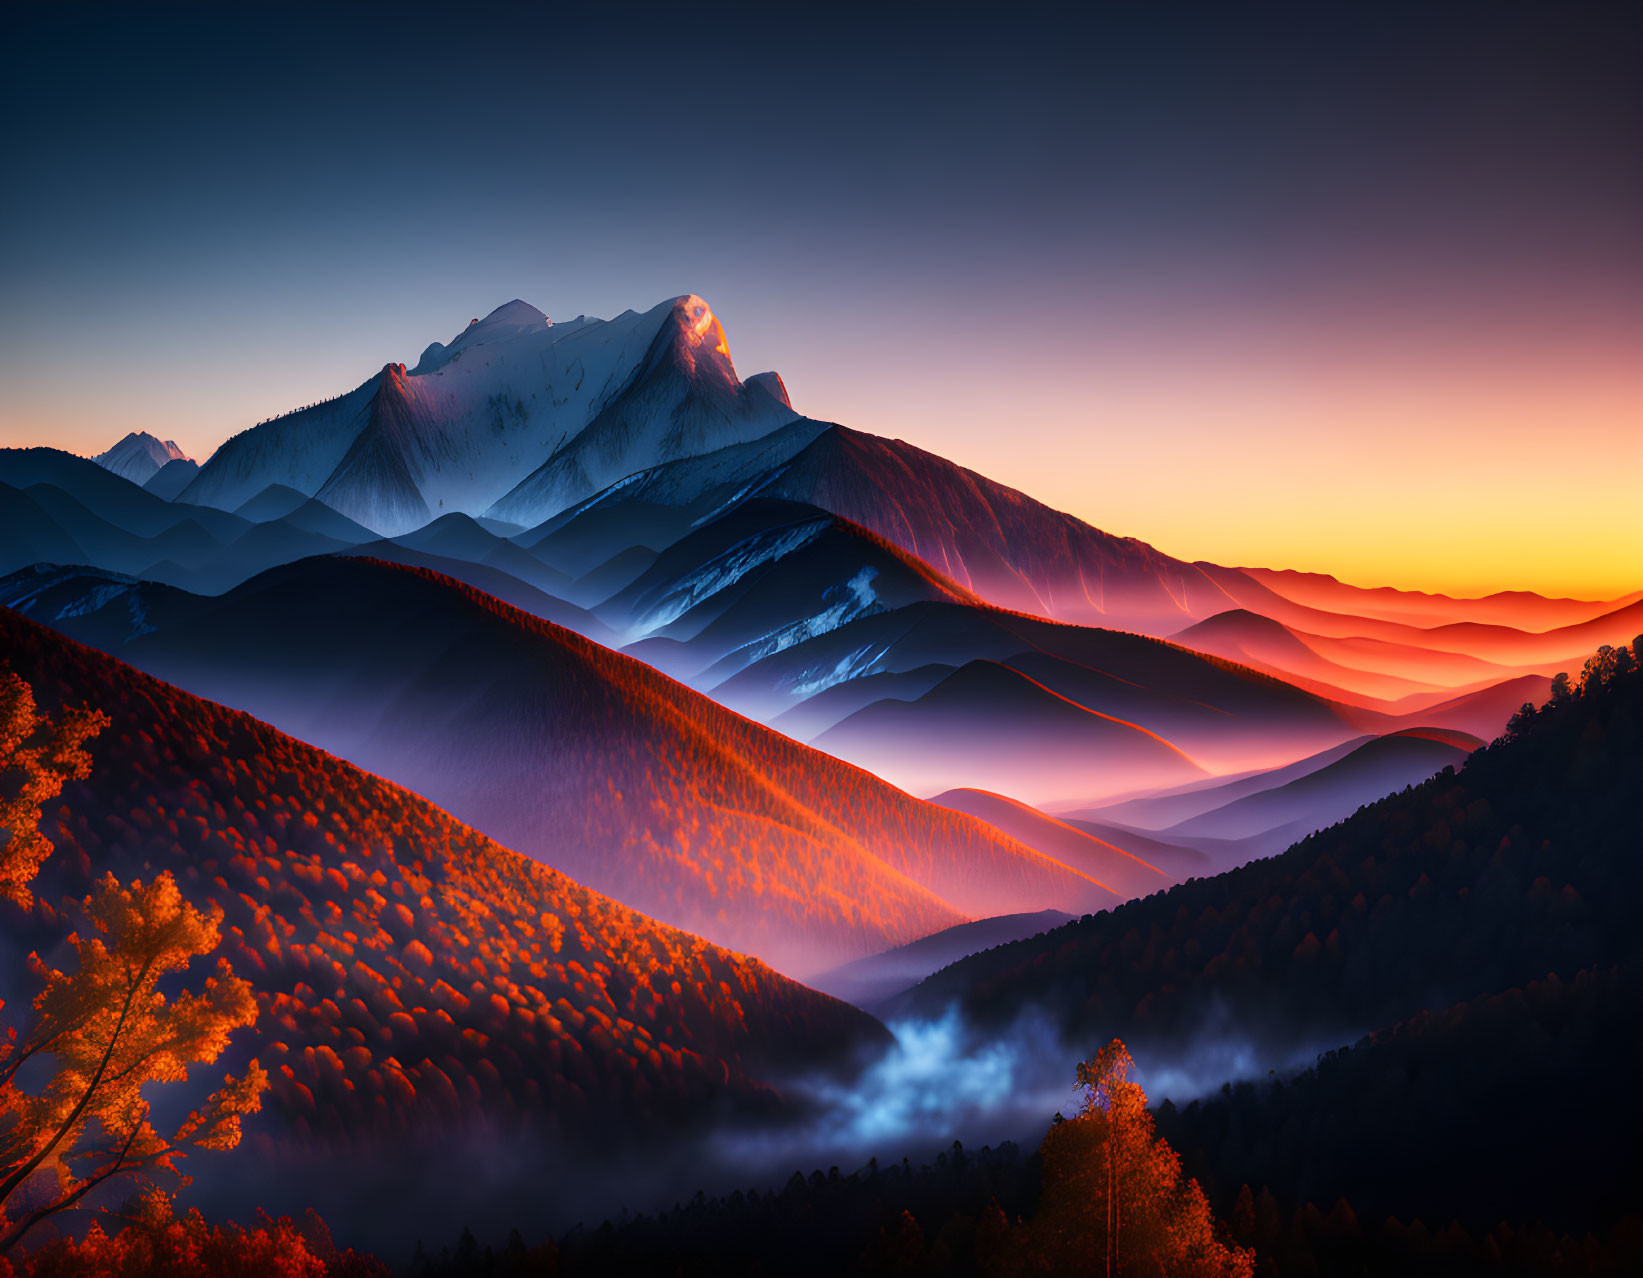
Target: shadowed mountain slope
992,540
980,671
115,525
759,580
987,723
109,497
1522,862
1000,543
29,535
169,481
581,757
1344,1128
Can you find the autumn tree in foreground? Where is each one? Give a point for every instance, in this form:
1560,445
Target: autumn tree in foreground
104,1029
1113,1200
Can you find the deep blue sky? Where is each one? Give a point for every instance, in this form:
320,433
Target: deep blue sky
1182,270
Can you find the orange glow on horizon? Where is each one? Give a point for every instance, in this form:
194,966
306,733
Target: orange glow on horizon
1421,460
1396,444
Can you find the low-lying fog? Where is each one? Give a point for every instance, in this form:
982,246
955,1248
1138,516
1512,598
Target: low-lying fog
937,1083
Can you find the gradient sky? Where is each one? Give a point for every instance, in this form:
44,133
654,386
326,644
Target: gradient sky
1355,290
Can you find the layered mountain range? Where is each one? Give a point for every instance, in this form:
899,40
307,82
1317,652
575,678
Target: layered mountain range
538,714
585,759
898,613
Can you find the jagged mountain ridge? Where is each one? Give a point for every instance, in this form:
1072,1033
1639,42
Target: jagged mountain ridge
999,543
515,412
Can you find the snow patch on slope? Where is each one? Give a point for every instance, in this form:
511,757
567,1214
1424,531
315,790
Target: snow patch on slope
723,571
855,599
847,667
93,599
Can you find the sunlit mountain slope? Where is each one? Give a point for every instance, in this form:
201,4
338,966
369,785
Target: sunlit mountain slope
409,971
580,757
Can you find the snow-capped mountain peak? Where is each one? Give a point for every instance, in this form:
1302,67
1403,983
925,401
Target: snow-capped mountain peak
511,319
139,456
517,417
698,317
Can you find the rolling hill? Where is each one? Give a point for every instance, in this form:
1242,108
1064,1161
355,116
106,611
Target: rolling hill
410,973
1492,642
1127,874
1520,863
578,756
871,981
1280,813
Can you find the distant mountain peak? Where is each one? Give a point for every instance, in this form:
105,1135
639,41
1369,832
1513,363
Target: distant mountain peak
139,456
142,439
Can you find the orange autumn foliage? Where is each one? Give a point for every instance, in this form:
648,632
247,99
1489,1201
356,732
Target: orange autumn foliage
110,1032
1114,1201
37,755
406,968
105,1026
157,1242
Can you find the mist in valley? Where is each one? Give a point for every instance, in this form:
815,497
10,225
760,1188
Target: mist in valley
940,1081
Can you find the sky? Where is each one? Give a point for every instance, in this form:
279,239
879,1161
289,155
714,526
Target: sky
1350,289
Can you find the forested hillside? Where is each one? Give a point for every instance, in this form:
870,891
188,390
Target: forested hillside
1526,861
407,969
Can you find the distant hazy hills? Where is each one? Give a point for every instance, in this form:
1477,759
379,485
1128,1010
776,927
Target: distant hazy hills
1520,863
